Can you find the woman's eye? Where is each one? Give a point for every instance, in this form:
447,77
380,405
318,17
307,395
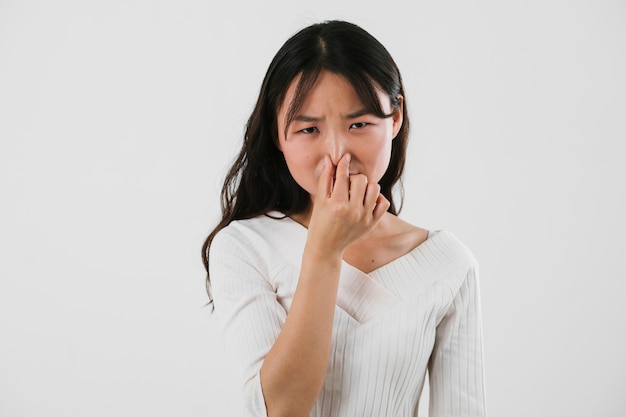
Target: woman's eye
358,125
309,130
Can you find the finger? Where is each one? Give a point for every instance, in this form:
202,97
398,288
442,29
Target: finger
371,196
342,177
358,189
325,182
382,205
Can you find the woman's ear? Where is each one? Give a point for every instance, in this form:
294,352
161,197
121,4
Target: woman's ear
398,116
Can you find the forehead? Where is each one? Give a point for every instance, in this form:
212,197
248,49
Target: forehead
329,92
327,86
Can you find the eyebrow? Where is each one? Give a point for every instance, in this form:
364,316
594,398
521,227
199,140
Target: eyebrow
358,113
312,119
304,118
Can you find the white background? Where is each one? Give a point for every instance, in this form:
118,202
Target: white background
118,120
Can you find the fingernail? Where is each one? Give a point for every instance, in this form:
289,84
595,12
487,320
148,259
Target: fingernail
348,157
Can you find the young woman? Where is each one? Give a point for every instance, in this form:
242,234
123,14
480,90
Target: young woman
333,305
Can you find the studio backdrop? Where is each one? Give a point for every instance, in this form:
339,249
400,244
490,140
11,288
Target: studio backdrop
118,120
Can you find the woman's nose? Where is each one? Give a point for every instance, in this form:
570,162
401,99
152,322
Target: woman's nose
335,147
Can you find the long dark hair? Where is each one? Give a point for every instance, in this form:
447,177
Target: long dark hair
259,180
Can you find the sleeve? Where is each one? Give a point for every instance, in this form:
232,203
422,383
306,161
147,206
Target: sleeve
456,364
247,308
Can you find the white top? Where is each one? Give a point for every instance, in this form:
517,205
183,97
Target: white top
418,312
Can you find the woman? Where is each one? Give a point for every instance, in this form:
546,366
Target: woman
334,305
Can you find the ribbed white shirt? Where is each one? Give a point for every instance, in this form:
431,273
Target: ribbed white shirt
418,312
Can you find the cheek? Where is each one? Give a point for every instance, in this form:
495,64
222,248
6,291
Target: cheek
298,159
376,159
304,167
382,161
384,153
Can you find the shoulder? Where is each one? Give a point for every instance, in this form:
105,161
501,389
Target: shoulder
252,249
245,227
249,236
235,248
446,244
440,246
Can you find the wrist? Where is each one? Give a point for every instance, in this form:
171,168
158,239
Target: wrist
321,254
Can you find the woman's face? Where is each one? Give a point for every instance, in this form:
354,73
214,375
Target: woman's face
332,122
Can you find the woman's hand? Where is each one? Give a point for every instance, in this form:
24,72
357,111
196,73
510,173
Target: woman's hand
344,209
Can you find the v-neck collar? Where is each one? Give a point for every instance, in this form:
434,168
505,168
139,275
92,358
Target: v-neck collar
359,295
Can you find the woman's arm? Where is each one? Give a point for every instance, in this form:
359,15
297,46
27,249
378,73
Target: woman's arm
293,371
456,364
